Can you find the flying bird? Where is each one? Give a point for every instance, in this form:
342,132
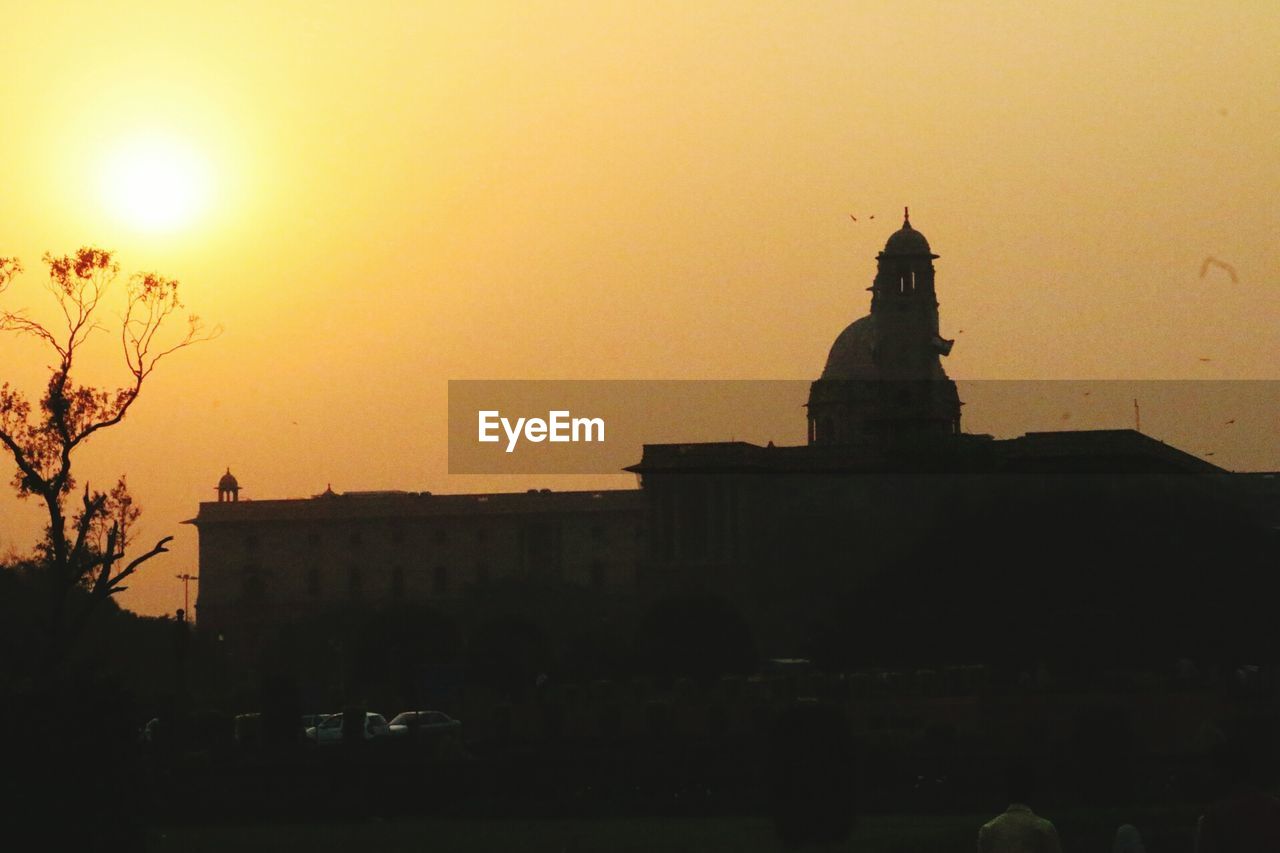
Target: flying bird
1202,358
854,218
1230,422
1211,261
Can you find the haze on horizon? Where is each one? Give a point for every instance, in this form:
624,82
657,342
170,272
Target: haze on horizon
395,196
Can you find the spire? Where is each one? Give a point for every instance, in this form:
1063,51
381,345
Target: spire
906,217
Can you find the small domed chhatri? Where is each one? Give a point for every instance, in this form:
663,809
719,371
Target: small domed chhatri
907,240
228,488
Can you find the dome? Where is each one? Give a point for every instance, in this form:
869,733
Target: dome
907,240
852,355
228,483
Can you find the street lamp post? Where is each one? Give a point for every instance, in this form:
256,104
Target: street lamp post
186,580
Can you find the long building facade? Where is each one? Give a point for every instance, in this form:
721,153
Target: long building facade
887,486
263,563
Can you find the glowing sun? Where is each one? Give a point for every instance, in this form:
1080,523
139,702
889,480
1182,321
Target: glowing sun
155,183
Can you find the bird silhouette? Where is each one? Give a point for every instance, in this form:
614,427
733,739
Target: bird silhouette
1230,422
854,218
1202,358
1211,261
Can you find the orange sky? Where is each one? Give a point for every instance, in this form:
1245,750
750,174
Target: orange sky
409,193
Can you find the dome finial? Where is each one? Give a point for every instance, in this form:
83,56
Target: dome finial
906,217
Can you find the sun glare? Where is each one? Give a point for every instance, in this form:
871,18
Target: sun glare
155,183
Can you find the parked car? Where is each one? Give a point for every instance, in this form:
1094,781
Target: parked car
417,724
329,730
312,720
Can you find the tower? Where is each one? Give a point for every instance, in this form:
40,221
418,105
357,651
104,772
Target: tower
884,378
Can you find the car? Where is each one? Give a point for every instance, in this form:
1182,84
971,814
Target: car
310,721
330,730
423,724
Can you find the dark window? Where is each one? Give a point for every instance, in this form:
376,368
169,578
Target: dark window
694,521
397,582
254,588
313,581
441,580
542,550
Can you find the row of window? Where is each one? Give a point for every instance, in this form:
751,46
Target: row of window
254,585
356,538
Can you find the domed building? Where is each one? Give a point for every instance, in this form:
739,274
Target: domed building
879,519
888,520
883,379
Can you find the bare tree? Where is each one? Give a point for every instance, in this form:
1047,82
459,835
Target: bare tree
85,545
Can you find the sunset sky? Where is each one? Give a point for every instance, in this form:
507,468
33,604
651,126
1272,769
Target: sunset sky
373,199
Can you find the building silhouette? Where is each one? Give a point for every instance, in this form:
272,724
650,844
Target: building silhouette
272,562
884,376
890,532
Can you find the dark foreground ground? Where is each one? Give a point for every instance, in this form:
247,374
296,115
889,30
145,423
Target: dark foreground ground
1081,831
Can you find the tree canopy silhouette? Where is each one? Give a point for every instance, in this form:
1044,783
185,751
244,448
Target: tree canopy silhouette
85,546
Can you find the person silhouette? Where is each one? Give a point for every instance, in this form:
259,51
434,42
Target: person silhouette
1019,829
